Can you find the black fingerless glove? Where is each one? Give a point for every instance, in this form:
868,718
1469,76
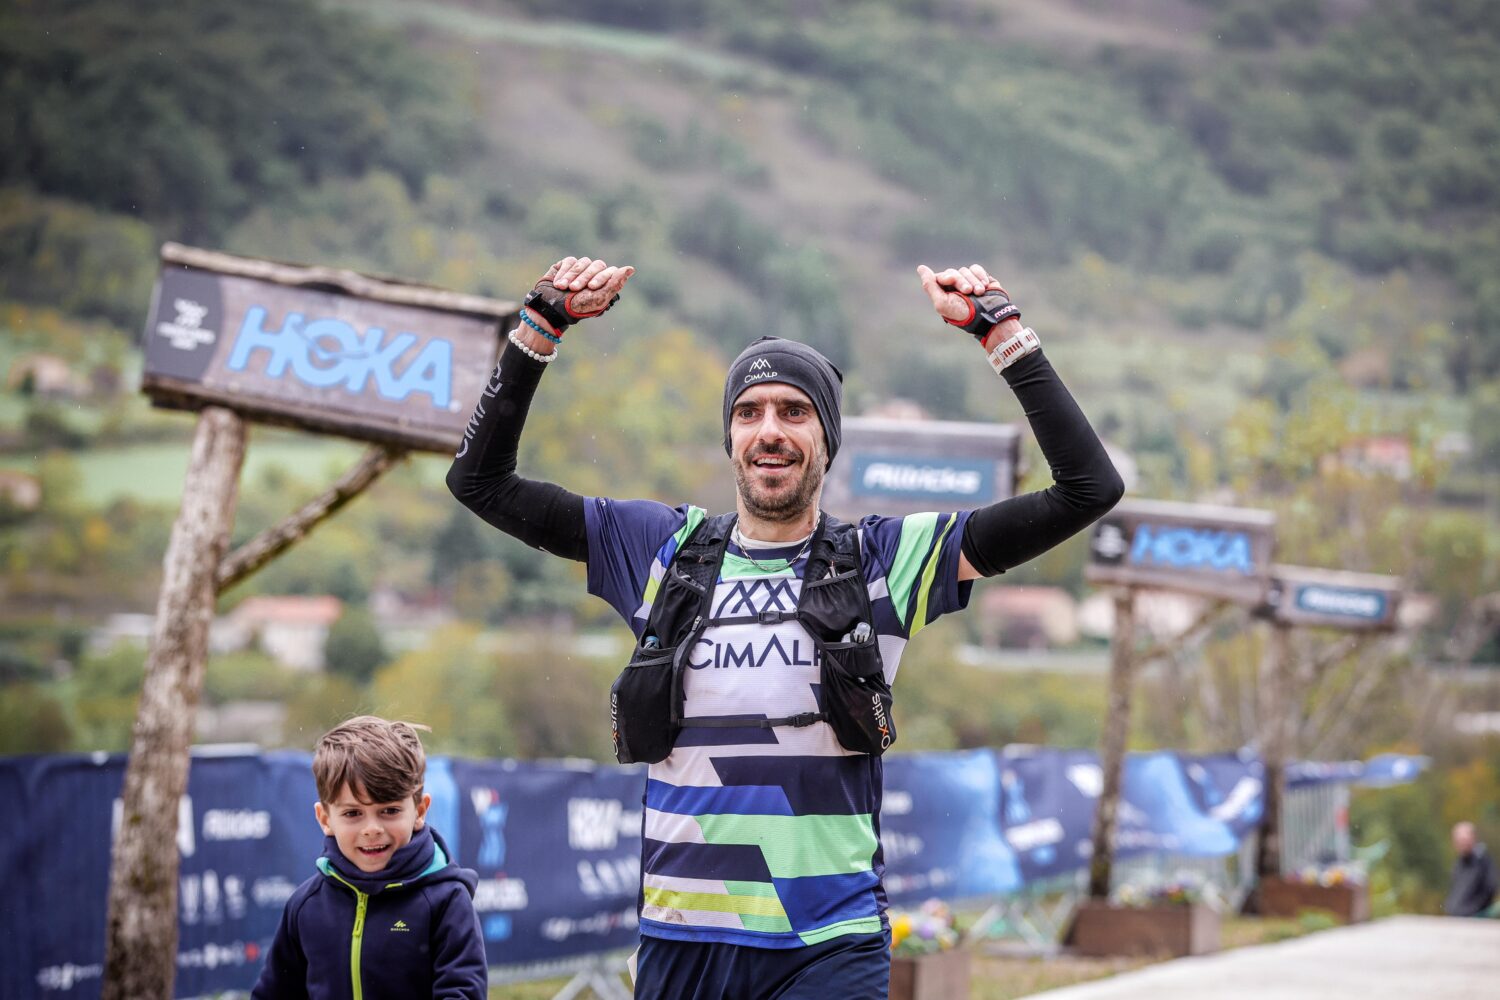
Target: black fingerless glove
985,311
556,306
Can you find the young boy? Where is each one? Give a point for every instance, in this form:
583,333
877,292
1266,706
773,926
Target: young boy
389,914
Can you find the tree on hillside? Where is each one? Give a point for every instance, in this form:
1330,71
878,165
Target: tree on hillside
190,114
354,648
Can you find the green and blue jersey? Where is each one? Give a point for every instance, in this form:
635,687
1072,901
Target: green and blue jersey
766,837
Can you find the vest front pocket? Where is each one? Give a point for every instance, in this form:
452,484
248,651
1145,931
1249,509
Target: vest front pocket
856,696
641,702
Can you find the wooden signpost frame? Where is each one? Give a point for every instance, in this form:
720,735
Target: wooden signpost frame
1278,683
141,927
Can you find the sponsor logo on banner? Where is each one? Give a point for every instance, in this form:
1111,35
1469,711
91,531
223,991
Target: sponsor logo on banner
206,898
236,824
928,881
895,803
601,923
217,956
493,895
609,877
186,332
67,975
491,812
598,824
1109,542
327,352
949,478
895,846
272,892
1181,547
1343,602
1087,778
1038,833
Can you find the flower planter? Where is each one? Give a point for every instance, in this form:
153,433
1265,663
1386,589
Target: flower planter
1101,929
1349,902
943,975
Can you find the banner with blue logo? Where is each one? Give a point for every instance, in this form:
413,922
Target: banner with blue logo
1300,595
939,829
330,351
557,844
907,466
1197,548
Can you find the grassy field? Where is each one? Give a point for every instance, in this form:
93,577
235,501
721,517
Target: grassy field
152,473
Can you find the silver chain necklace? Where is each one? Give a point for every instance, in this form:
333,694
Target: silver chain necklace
739,539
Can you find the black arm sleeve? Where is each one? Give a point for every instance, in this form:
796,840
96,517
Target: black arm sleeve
1085,484
483,477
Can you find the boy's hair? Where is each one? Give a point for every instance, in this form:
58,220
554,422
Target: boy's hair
383,759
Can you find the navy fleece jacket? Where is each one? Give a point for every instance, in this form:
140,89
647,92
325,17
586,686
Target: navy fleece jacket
407,931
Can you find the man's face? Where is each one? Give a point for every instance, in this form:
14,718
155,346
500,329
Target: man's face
1463,839
777,449
370,833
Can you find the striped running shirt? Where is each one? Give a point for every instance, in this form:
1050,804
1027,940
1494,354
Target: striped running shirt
766,837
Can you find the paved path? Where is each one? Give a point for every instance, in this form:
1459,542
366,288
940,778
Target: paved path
1431,958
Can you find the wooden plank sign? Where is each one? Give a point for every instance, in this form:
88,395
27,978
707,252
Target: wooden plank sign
902,467
1222,552
1300,595
326,350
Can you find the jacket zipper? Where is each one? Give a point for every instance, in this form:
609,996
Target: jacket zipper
361,903
354,945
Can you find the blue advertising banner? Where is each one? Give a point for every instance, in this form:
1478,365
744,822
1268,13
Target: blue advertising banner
938,828
950,481
558,852
557,845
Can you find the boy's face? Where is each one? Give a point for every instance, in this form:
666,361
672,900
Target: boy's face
370,833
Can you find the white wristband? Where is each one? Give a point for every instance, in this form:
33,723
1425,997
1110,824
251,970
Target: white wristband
1008,352
545,359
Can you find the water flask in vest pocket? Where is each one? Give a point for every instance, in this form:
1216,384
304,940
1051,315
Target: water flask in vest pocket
855,693
640,705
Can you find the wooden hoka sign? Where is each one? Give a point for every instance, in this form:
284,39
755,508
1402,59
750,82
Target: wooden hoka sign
327,350
1222,552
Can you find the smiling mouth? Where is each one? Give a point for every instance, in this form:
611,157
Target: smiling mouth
373,852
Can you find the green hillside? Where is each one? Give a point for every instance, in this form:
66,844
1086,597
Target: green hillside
1253,236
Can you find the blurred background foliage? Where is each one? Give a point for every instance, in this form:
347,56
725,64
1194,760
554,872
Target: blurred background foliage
1257,237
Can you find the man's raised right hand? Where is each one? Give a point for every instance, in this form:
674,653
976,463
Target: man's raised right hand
588,285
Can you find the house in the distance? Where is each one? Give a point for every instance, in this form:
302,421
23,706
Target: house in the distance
46,376
291,630
1028,617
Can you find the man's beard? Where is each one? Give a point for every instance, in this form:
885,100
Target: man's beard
782,505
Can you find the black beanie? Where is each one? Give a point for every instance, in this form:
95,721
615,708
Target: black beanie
772,359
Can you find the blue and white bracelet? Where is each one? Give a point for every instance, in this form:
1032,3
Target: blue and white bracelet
538,328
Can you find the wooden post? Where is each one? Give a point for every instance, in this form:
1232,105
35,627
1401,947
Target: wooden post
1116,732
1275,723
140,958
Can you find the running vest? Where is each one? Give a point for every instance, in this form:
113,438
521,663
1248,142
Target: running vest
646,700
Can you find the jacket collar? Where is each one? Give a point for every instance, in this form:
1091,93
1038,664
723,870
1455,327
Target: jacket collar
423,855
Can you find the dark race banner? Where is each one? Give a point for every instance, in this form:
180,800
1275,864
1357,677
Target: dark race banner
557,844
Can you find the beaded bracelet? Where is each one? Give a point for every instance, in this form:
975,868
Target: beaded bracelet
545,359
537,327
